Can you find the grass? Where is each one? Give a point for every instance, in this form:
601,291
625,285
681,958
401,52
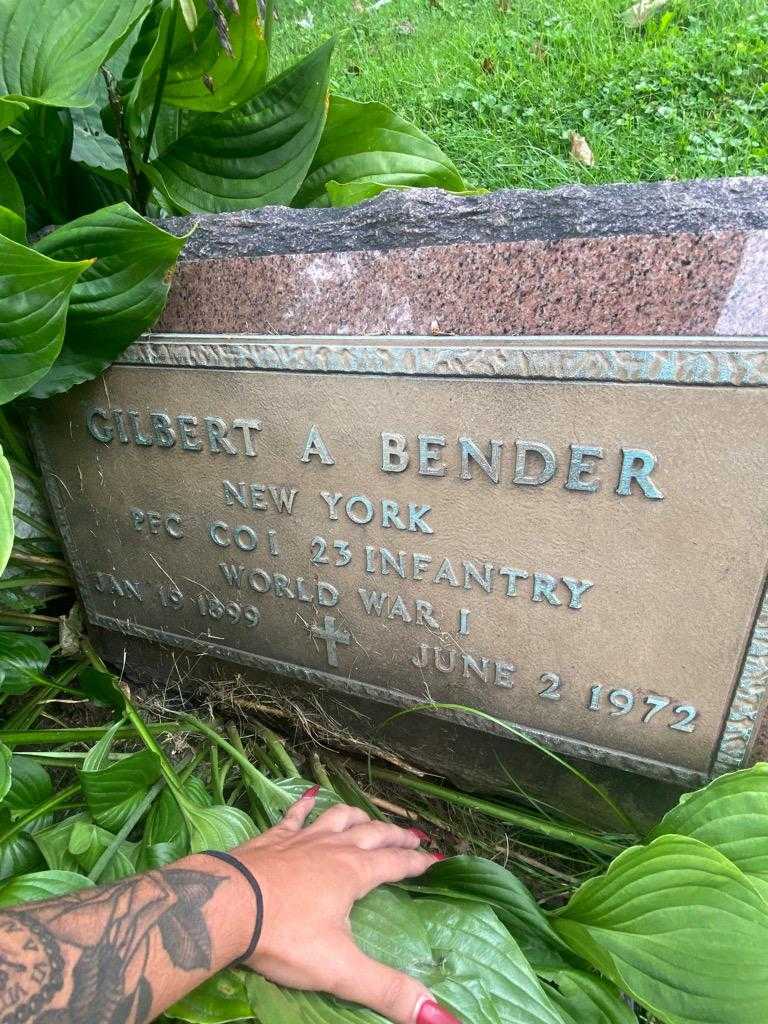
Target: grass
500,84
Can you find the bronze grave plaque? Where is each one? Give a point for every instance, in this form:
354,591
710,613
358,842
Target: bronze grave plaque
570,535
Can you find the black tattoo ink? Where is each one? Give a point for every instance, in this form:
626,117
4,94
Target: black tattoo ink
111,929
31,968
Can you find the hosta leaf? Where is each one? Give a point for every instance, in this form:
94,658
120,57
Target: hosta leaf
34,296
98,756
53,843
114,793
277,797
103,688
93,147
729,814
40,165
41,885
288,1006
87,842
217,828
157,855
257,157
18,855
368,142
10,193
30,785
460,951
221,999
482,881
50,50
117,298
585,999
678,926
12,226
232,79
23,660
354,192
166,827
5,770
10,110
7,493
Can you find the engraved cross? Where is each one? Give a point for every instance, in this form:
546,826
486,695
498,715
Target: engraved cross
332,636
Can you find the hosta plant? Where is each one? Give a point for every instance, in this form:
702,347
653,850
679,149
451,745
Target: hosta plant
673,931
111,110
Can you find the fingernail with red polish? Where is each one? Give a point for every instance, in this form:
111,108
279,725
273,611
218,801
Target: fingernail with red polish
439,856
421,836
310,793
431,1013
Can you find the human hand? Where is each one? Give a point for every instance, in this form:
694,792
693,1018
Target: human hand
310,878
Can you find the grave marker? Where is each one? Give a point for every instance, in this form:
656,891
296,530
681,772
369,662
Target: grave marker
528,475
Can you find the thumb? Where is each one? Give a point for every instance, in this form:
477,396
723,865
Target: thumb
391,993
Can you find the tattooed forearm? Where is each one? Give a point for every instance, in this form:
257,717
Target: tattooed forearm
95,957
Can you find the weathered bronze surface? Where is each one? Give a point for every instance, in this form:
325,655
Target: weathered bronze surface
570,537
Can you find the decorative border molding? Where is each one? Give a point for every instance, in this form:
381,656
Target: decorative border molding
739,732
606,359
734,361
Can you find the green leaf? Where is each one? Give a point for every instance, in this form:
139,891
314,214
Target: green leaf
5,770
189,13
585,999
729,814
113,793
166,836
217,828
678,926
10,193
87,842
277,797
41,885
98,756
221,999
53,843
40,165
354,192
18,855
7,495
117,298
23,660
233,79
12,226
357,191
30,785
103,688
51,50
156,855
368,142
34,297
460,951
10,110
95,148
483,881
253,158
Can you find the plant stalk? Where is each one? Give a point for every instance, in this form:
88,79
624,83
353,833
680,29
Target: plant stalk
506,814
105,859
57,737
161,80
51,804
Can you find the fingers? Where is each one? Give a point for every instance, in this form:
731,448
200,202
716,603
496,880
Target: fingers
339,819
298,813
395,996
376,835
393,865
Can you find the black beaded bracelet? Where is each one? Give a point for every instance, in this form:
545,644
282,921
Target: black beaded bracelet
227,858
